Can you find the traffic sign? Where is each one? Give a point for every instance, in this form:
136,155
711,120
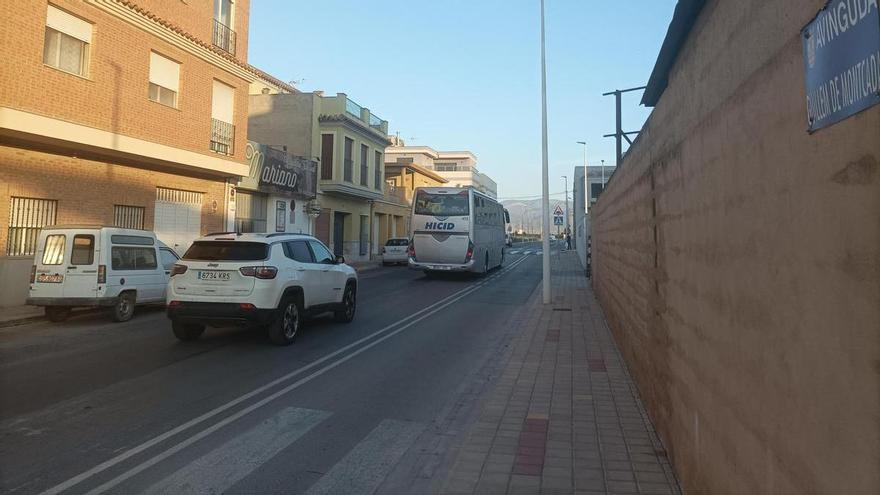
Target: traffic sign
557,220
558,211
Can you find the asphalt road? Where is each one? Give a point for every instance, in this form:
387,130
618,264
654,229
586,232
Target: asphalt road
92,406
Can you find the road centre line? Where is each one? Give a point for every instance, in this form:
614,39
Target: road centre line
411,319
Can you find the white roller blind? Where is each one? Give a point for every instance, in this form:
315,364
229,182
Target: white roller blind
222,102
164,72
60,20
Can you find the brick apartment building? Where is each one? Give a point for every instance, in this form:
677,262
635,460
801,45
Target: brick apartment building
118,112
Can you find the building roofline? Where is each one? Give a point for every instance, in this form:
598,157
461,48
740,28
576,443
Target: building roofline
686,12
412,150
137,8
273,80
453,154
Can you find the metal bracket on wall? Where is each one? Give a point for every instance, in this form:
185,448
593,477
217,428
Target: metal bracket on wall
619,134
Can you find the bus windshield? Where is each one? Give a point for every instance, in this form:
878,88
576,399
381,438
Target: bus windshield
442,205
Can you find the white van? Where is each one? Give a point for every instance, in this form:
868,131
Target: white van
89,265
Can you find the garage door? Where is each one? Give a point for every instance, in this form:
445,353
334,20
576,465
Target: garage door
178,217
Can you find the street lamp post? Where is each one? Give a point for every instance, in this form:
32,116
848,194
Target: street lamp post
567,225
545,179
603,175
585,154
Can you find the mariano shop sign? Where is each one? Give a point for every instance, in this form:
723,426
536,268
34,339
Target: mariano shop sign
842,61
275,171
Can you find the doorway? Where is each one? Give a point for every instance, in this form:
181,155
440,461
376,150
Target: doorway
338,232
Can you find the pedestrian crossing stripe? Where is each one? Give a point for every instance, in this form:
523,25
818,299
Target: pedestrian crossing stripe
223,467
365,466
515,251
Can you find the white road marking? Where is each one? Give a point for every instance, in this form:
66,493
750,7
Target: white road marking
514,251
527,252
228,464
413,319
370,461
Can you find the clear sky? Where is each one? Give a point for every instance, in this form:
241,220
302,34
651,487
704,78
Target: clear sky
465,74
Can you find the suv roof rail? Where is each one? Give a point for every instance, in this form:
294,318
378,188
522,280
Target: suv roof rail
221,233
277,234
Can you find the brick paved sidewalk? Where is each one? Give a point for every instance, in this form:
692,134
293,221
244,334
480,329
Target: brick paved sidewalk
564,416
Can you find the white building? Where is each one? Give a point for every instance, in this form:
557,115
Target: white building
457,167
597,177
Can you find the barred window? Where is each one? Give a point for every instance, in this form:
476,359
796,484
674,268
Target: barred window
27,216
129,217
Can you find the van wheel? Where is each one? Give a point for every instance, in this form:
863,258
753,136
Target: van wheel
283,330
123,310
57,314
349,304
187,331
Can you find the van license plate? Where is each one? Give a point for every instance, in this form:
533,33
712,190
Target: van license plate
45,278
214,275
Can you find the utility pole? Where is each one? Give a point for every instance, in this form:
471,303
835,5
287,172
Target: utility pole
586,177
567,224
619,134
603,175
545,180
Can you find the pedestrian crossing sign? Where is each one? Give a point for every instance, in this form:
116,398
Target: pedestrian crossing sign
557,220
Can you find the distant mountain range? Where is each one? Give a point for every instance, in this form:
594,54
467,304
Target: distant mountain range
526,214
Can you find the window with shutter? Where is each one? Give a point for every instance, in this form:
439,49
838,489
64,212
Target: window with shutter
164,80
67,40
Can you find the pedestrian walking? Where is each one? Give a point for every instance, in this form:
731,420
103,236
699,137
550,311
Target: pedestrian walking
568,240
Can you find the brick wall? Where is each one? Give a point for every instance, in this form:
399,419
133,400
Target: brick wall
195,17
86,190
114,97
737,259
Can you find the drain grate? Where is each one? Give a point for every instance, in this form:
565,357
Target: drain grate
561,309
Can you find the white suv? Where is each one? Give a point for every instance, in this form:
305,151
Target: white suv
271,280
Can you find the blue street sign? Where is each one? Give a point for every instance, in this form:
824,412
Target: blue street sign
557,220
842,61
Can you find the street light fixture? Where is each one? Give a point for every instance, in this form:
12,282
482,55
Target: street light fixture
585,154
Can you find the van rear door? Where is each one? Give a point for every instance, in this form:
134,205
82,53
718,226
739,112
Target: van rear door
51,270
81,278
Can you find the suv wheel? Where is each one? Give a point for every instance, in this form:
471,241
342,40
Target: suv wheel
283,330
187,331
349,304
57,314
123,310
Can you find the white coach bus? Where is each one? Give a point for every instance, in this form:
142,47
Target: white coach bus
456,229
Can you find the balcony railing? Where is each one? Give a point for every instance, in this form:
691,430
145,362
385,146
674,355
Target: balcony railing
224,37
353,108
222,136
375,122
